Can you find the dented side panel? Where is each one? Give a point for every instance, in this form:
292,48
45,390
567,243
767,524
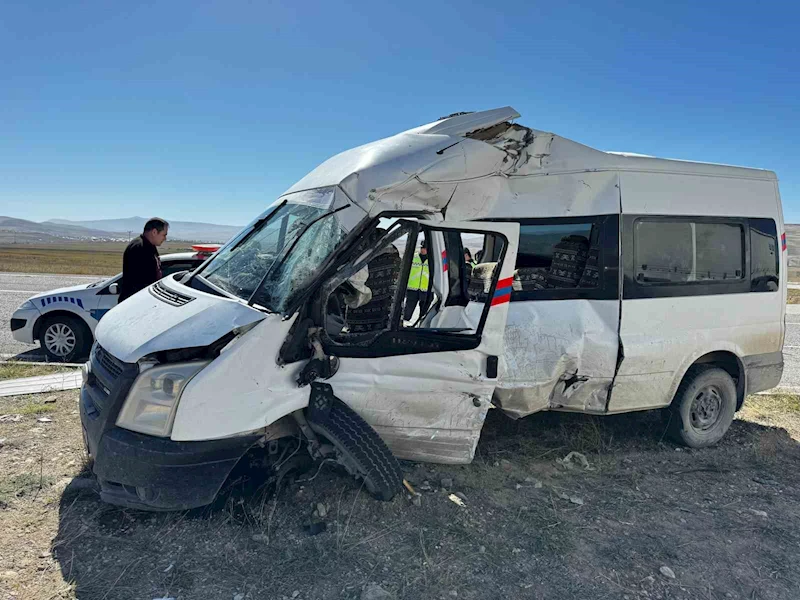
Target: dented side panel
559,355
427,407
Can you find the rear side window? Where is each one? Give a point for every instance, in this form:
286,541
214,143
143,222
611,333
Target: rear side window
686,251
764,256
556,257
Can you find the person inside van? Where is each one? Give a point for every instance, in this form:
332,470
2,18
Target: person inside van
417,289
469,261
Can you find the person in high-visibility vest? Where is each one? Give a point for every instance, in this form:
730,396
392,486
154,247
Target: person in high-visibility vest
417,288
471,262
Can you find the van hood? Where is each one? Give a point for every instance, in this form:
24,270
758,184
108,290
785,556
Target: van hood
144,323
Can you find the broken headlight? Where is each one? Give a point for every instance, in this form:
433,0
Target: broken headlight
151,404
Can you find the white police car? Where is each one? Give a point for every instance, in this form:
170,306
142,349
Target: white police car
63,320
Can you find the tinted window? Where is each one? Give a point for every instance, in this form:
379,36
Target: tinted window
557,256
764,255
686,251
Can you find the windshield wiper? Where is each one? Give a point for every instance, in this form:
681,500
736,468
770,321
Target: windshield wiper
256,227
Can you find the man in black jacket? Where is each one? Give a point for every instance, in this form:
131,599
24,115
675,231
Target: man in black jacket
140,263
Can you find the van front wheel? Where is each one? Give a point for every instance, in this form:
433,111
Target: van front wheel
703,407
360,450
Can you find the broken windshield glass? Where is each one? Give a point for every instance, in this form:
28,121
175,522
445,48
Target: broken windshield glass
239,267
301,264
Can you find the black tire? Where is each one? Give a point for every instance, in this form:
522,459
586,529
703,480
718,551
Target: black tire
65,339
703,408
366,455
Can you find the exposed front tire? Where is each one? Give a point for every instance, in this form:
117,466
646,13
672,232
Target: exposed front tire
65,339
360,450
703,407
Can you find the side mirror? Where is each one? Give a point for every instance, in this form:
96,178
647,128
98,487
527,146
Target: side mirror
113,289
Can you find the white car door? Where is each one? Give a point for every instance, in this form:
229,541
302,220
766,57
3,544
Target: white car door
423,376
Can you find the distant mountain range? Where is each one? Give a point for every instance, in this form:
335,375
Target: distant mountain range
22,231
178,230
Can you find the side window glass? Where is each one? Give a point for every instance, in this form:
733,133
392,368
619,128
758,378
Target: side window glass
399,278
764,256
557,256
687,252
448,271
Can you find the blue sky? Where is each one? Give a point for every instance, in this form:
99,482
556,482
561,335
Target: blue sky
207,111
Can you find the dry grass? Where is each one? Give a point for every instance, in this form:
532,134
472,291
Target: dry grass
531,524
102,258
18,370
35,408
774,410
793,296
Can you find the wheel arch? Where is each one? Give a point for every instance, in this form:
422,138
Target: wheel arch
44,318
725,359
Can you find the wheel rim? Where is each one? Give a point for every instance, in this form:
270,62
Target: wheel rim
59,339
706,408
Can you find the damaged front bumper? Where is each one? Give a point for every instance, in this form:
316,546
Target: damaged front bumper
142,471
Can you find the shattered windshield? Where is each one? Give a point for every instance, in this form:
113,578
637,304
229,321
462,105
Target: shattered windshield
287,248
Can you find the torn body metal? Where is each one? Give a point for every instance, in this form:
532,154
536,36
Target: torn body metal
559,355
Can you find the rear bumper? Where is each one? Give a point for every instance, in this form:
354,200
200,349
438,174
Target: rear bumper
762,371
141,471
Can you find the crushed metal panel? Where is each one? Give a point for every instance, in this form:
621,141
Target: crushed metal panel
143,324
243,389
463,123
558,354
424,409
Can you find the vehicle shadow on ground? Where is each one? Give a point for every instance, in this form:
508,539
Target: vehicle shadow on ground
110,552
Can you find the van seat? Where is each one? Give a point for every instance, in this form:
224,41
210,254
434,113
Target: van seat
529,278
569,260
481,281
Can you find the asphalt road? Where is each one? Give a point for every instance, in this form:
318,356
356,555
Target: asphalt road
15,288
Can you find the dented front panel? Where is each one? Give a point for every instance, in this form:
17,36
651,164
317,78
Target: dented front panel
243,389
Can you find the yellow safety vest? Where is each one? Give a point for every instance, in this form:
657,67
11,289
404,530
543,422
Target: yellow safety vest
418,276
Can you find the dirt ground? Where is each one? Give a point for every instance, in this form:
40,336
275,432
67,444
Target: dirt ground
646,520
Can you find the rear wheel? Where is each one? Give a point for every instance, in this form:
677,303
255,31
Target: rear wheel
65,339
703,407
359,449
